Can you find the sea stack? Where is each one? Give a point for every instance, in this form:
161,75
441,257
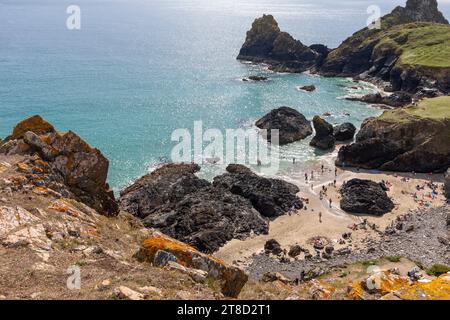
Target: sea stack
324,138
265,42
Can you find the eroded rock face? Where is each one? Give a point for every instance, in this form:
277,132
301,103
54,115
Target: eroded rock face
168,184
344,132
420,11
271,197
266,43
231,279
400,142
72,167
324,138
365,197
292,125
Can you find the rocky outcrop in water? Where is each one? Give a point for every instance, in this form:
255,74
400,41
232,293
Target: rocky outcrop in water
396,99
270,197
266,43
66,163
292,125
365,197
400,140
324,138
174,200
344,132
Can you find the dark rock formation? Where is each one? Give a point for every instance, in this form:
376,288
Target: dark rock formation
168,184
310,88
266,43
344,132
208,218
292,125
74,168
447,185
271,197
400,141
365,197
324,138
396,99
174,200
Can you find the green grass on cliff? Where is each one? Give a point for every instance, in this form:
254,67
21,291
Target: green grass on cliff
435,108
425,45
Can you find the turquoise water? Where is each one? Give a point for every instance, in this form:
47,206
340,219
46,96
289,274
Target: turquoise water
137,70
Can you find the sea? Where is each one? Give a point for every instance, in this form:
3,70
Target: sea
134,71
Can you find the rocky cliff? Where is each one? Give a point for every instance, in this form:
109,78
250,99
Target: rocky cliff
410,139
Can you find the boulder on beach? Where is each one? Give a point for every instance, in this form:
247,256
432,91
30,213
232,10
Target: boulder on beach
365,197
324,138
258,78
396,99
344,132
292,125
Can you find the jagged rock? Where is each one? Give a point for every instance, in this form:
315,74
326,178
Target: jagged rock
344,132
292,125
270,197
419,10
232,279
168,184
208,218
34,124
310,88
365,197
266,43
72,167
401,140
324,138
272,246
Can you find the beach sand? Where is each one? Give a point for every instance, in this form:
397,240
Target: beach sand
300,227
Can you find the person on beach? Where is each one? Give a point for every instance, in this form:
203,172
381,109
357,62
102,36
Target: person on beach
320,216
322,169
331,202
335,172
306,177
293,160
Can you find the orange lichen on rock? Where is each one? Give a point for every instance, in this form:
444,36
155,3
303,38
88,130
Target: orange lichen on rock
181,251
437,289
23,167
41,191
356,291
34,124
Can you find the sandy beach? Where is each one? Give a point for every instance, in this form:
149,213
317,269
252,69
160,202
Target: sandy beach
301,226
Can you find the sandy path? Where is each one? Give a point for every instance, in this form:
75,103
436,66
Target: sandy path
298,228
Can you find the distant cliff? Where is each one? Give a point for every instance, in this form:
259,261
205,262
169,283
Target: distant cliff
411,51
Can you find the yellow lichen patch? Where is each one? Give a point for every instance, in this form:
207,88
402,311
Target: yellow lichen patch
41,191
63,206
23,167
320,290
356,292
35,124
181,251
41,163
437,289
